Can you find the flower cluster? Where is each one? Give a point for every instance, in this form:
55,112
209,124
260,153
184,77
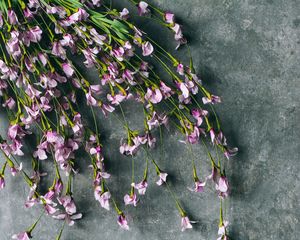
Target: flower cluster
41,85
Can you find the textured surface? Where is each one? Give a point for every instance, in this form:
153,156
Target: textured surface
248,53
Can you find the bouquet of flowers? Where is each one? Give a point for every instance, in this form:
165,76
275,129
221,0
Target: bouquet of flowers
41,44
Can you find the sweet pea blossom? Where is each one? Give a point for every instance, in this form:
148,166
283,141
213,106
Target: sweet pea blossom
199,186
143,8
2,181
68,69
212,99
122,221
185,223
102,197
222,187
222,231
147,48
154,95
141,187
12,17
22,236
162,178
124,14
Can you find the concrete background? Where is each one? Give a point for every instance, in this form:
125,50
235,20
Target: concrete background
248,53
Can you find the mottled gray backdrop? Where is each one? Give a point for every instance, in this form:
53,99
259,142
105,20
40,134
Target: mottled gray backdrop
248,53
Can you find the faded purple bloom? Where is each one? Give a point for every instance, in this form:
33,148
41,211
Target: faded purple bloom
34,34
122,221
116,99
170,18
222,187
12,17
2,181
10,103
199,186
154,95
80,15
212,135
147,48
185,223
1,19
22,236
143,8
193,137
212,99
162,178
183,88
222,231
58,50
166,91
68,69
68,218
68,203
124,14
131,199
198,114
141,187
102,197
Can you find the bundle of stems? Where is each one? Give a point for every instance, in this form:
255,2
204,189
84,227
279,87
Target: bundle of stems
42,44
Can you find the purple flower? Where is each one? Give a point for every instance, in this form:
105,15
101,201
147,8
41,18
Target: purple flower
58,50
169,18
141,187
80,15
193,137
115,99
68,203
1,19
22,236
122,221
102,197
34,34
166,91
185,223
162,178
154,95
2,181
68,218
147,48
222,231
124,14
212,135
10,103
222,187
199,186
212,99
12,17
68,69
183,88
198,114
143,8
131,199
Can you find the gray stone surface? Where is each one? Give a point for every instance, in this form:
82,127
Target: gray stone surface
248,53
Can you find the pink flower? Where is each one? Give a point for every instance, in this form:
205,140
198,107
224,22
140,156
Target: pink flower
68,218
141,187
199,186
68,203
162,178
130,199
2,181
198,114
222,231
1,19
154,95
122,221
183,88
116,99
170,18
80,15
58,50
143,8
147,48
10,103
185,223
12,17
222,187
68,69
212,99
22,236
124,14
166,91
35,34
102,197
212,135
